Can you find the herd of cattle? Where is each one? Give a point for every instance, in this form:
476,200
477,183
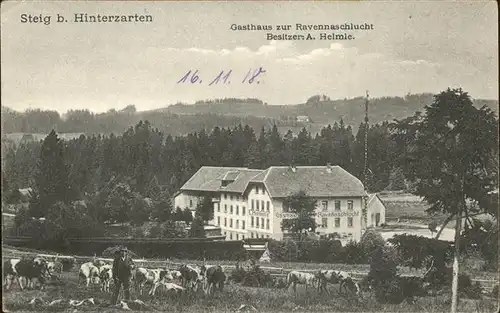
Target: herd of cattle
208,278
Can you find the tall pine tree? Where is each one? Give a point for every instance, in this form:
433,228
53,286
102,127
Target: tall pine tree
51,178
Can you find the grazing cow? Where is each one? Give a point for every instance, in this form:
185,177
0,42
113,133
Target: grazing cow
145,276
214,277
89,272
337,277
191,276
10,272
296,277
105,276
29,269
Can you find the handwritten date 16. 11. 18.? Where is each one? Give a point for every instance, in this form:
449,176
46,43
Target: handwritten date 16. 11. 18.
223,77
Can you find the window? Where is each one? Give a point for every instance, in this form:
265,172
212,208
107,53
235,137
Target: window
267,224
262,203
257,190
225,233
237,224
218,207
257,204
225,196
218,220
231,223
253,204
251,235
230,236
237,209
337,205
225,208
242,236
231,209
268,206
324,222
263,191
349,222
262,222
337,222
324,205
256,222
190,203
242,224
251,222
243,211
237,237
225,222
350,204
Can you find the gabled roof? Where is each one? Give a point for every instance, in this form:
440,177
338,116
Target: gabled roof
280,181
316,181
210,178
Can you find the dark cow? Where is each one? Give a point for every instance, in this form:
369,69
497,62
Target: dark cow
214,277
337,277
28,268
191,276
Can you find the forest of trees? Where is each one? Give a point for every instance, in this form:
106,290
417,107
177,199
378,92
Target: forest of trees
144,154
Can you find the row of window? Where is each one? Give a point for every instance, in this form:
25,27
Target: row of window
255,205
231,211
324,205
254,222
324,222
256,235
237,223
236,237
241,236
337,205
237,198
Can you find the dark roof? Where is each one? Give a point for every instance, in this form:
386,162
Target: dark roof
316,181
210,178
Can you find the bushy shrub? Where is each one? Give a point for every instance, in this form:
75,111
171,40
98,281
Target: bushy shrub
354,254
256,277
252,277
112,251
370,242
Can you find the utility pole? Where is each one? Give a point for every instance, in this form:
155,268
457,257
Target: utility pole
365,171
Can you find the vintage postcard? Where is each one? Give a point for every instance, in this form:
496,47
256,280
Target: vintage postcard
250,156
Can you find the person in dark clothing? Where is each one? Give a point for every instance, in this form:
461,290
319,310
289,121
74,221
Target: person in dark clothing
122,272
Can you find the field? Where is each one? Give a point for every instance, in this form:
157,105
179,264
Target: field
233,296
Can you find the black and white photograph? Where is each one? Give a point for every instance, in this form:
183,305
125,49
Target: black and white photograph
250,156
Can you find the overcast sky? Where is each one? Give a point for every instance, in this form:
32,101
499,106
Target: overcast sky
415,47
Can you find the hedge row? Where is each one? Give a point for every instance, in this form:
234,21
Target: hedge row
210,250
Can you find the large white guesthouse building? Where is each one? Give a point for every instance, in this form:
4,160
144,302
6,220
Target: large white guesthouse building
248,203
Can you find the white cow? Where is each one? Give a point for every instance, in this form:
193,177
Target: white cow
296,277
105,276
88,272
143,276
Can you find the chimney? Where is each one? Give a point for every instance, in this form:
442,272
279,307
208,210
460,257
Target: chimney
328,167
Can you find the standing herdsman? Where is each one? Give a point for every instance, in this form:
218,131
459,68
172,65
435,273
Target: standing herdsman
122,272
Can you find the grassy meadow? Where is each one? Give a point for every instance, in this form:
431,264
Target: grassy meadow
233,296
